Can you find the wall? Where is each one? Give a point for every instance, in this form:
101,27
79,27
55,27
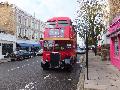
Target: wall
7,18
28,26
114,8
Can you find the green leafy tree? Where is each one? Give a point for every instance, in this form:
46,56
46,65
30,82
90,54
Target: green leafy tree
90,15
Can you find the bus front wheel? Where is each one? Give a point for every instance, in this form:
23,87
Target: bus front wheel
45,66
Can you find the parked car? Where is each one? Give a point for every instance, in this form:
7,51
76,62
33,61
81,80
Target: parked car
19,55
25,54
32,53
40,52
81,50
15,56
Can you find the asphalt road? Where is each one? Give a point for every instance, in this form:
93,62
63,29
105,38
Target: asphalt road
28,75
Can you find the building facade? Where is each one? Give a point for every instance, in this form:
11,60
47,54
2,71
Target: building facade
114,35
7,30
24,27
28,27
114,6
114,32
7,44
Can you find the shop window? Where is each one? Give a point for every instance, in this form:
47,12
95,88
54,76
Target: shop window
7,48
116,47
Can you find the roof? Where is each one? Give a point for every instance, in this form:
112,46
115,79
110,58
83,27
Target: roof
113,34
57,39
59,18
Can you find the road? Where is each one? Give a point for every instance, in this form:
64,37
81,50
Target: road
28,75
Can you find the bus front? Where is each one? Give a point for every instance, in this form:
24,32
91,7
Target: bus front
59,46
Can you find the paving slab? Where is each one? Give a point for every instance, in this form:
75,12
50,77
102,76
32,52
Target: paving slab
4,60
102,75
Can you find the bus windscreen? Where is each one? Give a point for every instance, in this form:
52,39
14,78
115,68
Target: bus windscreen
63,22
51,24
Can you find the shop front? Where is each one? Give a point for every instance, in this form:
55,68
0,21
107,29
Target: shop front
114,35
7,44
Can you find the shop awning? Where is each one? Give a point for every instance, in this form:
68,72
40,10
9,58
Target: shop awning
27,43
23,44
113,34
35,45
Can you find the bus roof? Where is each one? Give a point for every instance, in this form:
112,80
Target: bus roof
57,39
58,18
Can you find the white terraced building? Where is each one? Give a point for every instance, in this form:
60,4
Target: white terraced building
18,24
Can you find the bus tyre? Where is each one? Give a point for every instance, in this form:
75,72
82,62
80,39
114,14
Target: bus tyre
68,67
44,66
75,60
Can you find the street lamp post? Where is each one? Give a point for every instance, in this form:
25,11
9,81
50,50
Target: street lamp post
87,53
86,32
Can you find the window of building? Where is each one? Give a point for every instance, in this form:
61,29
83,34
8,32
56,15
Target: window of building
21,31
33,24
41,36
116,47
19,19
25,32
25,22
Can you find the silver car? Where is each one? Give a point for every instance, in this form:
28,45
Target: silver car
81,50
40,52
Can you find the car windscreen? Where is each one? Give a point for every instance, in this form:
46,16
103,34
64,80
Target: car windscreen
82,48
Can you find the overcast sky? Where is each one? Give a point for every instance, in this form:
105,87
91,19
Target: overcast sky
45,9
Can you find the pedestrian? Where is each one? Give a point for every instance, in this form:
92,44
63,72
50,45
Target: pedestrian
33,51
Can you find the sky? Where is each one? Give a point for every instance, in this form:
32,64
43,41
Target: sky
45,9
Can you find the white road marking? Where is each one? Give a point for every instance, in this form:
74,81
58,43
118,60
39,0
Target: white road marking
29,86
12,69
18,67
46,76
57,80
77,62
69,79
32,87
37,61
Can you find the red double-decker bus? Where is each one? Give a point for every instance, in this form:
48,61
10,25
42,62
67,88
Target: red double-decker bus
59,44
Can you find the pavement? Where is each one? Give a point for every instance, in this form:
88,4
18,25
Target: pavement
102,75
4,60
